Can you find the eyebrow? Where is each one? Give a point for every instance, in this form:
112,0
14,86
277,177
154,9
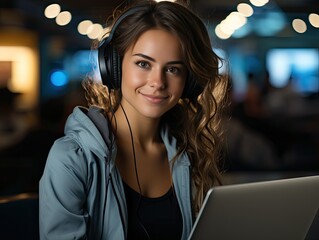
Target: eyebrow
153,60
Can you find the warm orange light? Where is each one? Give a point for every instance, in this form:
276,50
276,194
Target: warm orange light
24,72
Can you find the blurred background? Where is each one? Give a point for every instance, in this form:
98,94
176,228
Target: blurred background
271,48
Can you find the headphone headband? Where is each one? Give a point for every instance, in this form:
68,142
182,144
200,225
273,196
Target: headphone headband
129,12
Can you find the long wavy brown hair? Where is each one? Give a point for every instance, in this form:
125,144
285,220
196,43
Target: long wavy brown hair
195,121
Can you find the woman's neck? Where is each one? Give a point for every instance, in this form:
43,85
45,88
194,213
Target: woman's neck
145,131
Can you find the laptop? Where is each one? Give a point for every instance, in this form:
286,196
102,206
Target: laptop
277,209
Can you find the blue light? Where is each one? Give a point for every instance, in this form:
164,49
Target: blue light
298,64
270,23
243,31
59,78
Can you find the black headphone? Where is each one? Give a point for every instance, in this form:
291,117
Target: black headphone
110,63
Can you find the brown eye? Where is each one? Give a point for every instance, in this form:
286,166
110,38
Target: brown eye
173,70
143,64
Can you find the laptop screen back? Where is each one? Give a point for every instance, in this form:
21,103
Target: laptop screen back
278,209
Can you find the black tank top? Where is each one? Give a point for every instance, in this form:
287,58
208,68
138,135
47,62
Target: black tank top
153,218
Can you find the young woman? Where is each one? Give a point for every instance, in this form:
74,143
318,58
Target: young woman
138,163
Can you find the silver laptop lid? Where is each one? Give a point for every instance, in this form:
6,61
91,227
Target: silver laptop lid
278,209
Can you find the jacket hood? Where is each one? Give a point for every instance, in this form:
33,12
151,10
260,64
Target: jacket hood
81,128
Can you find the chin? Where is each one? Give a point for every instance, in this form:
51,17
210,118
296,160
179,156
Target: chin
153,113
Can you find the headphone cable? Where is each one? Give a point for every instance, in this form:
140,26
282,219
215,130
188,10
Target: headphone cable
136,174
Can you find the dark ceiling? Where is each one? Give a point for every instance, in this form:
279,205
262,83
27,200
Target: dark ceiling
29,13
98,10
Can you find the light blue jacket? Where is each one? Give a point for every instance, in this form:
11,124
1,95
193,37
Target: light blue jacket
80,200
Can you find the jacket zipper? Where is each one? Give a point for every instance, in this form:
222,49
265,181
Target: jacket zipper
118,206
191,193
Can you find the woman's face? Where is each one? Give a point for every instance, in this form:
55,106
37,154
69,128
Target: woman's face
153,74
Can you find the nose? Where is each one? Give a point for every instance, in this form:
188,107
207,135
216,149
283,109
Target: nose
157,79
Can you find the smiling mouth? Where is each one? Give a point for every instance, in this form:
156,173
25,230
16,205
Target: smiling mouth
154,98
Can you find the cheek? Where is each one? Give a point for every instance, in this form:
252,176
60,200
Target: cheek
130,78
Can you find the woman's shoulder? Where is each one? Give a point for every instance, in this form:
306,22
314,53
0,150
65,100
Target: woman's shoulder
89,128
81,141
66,151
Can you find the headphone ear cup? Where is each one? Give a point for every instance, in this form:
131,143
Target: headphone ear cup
110,65
192,89
102,60
117,69
187,87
